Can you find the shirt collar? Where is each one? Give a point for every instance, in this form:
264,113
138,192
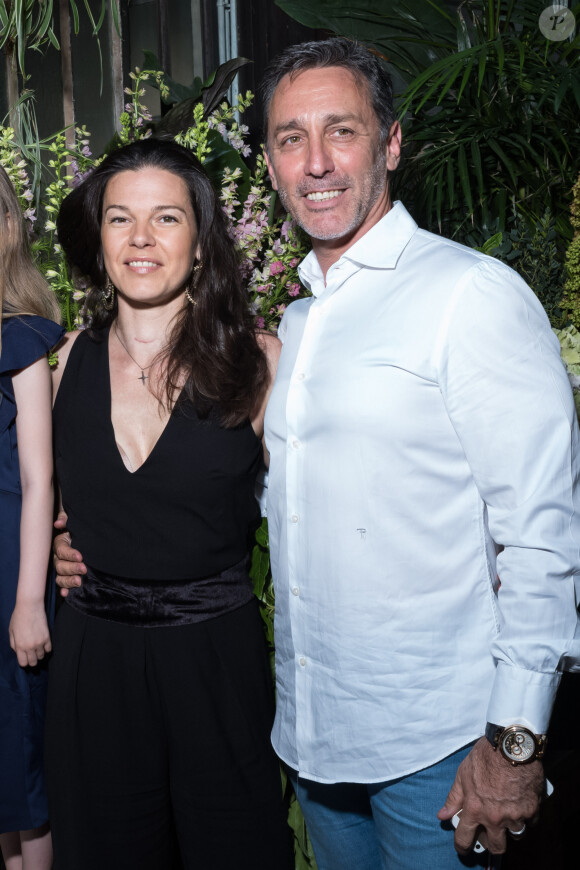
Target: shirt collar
379,248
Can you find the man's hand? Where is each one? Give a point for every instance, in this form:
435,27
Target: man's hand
68,562
494,797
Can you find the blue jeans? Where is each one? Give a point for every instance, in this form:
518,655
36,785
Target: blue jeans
386,825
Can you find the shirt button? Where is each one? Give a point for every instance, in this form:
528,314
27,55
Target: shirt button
294,518
300,376
302,662
295,590
296,444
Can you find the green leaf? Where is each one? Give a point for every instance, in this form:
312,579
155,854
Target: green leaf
451,182
222,79
54,41
500,55
408,34
465,79
476,163
178,93
507,162
561,93
259,570
464,178
481,67
75,12
44,23
262,534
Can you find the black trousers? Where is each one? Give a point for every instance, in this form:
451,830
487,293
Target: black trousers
161,736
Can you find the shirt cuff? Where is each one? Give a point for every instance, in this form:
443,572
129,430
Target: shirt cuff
521,697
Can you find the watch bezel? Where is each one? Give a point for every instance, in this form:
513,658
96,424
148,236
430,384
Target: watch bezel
498,734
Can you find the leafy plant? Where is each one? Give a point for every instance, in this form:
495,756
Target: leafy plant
532,251
571,301
28,25
408,34
493,126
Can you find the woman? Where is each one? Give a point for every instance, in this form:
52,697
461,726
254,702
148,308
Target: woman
29,316
160,699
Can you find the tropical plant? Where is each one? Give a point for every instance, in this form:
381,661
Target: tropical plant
571,301
531,249
28,25
494,126
408,34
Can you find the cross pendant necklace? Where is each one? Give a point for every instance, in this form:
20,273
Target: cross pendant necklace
143,377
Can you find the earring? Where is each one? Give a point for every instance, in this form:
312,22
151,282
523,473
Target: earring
194,280
108,295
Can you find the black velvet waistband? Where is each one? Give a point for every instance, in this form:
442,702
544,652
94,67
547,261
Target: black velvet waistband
151,603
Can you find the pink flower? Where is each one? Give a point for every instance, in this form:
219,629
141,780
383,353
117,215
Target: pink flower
276,267
260,323
293,289
293,262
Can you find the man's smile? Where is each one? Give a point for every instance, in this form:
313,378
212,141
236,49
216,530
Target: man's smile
320,195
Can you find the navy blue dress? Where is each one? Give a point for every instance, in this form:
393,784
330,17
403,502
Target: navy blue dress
22,691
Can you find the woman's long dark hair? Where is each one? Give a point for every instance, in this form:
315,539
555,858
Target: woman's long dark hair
213,342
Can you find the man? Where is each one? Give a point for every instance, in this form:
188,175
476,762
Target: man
420,420
423,441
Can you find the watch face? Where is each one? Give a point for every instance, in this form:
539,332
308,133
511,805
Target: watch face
518,745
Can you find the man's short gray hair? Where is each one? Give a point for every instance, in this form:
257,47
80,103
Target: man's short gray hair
340,52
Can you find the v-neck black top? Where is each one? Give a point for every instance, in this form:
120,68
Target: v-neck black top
188,512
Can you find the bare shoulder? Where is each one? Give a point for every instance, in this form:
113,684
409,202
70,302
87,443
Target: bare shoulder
271,346
63,350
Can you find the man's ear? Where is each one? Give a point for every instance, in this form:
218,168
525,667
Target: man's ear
394,146
271,170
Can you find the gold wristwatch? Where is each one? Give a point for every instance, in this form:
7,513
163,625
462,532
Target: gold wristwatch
516,743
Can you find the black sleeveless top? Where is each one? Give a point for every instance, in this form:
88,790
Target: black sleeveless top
188,512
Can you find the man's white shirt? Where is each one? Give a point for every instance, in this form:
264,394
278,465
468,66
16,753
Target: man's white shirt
423,441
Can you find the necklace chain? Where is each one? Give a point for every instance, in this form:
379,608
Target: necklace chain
143,369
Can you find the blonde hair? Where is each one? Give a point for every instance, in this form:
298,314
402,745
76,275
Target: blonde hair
23,290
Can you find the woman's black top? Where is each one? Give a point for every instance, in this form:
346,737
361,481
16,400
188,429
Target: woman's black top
188,512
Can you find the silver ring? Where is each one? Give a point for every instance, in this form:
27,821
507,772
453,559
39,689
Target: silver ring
517,833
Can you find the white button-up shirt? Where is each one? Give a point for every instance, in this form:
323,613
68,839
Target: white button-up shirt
423,441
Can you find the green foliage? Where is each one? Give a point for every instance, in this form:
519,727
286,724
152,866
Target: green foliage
571,300
28,24
408,34
533,253
25,24
261,576
493,127
569,339
184,97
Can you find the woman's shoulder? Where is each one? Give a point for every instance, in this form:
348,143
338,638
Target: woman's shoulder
26,338
271,346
